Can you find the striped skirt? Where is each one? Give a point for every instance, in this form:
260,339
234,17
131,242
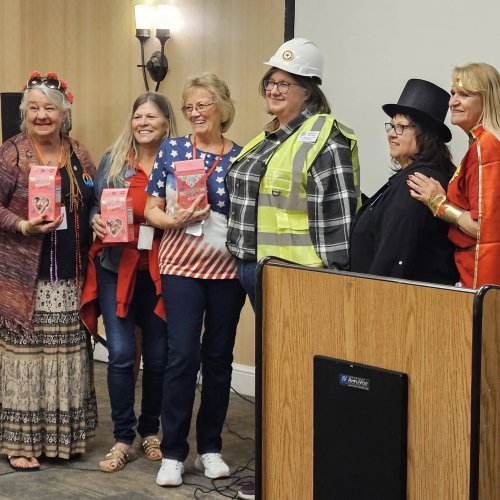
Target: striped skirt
47,397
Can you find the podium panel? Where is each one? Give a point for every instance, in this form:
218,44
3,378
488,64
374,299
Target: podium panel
446,340
361,410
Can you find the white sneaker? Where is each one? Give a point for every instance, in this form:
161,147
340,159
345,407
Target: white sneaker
212,464
170,473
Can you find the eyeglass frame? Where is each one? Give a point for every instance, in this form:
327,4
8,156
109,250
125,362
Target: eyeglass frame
285,85
399,126
201,107
51,83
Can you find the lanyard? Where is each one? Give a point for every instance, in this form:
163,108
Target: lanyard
40,157
217,160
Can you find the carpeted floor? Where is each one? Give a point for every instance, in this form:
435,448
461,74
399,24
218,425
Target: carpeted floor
81,479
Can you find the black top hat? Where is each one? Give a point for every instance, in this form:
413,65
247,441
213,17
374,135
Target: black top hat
426,102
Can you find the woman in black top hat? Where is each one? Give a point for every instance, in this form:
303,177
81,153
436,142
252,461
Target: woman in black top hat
393,234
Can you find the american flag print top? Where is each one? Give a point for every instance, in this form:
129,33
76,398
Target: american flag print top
182,254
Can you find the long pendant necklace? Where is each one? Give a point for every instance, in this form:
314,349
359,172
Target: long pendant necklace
75,195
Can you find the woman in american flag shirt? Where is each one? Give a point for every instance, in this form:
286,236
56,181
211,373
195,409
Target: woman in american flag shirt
199,282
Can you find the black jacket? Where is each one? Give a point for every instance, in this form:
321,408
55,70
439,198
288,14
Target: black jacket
397,236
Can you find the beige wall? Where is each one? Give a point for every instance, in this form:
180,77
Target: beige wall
91,44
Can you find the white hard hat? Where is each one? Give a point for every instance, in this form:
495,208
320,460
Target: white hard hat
299,57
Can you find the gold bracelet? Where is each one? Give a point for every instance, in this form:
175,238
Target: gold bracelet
444,210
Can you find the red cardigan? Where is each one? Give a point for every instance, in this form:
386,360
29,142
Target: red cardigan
127,271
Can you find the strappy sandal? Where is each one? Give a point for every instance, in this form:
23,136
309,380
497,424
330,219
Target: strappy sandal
116,459
151,448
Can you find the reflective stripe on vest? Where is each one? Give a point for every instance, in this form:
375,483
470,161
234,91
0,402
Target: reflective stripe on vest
282,219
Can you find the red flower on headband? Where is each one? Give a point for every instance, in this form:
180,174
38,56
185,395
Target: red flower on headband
52,75
64,84
70,97
34,74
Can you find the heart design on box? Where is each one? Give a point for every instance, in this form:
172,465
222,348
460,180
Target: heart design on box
40,204
114,226
191,180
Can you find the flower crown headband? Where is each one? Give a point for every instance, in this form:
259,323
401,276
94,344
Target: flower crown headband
51,81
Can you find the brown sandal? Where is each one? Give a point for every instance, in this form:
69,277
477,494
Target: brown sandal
116,459
151,448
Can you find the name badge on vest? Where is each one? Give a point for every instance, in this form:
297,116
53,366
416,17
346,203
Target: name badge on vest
308,136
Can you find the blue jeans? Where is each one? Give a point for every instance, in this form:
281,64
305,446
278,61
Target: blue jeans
192,304
247,274
120,337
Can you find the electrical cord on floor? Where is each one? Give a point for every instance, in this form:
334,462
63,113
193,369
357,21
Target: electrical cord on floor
236,480
227,487
242,397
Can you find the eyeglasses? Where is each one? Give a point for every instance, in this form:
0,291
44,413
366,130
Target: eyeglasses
51,83
200,107
398,128
282,87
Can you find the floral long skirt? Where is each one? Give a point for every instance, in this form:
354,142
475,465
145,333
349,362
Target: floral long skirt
47,395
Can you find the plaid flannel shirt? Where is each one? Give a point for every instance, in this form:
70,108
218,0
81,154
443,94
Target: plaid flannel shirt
331,196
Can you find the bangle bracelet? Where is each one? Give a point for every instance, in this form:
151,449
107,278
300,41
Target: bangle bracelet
450,213
23,227
444,210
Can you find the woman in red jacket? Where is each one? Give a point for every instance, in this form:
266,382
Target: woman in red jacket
470,204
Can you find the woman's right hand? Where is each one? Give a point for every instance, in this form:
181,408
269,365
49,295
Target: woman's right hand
98,226
182,217
424,188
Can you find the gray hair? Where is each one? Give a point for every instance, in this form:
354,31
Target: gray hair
56,97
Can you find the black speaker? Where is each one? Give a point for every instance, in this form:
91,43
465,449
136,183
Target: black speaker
11,116
360,426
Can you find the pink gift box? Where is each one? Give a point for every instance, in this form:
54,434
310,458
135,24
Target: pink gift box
44,193
191,181
117,214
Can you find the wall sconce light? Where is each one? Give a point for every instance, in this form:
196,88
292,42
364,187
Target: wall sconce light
145,17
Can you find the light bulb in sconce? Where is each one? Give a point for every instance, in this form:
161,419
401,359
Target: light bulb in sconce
144,20
163,18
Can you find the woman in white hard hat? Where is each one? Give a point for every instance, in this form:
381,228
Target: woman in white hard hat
305,221
292,189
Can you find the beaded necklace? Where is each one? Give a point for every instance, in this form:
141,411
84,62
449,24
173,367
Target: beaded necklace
75,197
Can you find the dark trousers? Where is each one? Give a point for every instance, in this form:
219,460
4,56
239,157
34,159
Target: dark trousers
191,304
247,274
120,337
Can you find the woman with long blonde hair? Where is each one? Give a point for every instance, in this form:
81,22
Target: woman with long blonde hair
124,280
470,203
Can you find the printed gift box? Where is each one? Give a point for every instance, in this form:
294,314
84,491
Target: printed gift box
117,214
191,181
44,193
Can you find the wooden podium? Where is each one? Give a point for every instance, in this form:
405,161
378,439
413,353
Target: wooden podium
447,340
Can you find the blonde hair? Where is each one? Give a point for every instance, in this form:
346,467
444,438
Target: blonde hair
219,89
125,152
482,79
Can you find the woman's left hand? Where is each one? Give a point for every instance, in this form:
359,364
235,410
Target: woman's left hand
423,188
38,225
184,216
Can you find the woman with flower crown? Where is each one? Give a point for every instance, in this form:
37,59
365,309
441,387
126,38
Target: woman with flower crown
47,397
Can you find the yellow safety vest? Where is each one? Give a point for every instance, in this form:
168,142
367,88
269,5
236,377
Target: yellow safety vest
282,219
